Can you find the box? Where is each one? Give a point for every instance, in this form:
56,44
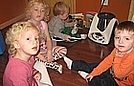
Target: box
79,17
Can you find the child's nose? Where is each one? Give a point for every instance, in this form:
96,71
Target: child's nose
39,12
121,40
35,42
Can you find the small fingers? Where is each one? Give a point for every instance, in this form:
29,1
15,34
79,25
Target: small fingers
89,78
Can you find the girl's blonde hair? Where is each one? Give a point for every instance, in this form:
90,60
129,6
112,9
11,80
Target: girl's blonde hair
31,3
60,8
14,32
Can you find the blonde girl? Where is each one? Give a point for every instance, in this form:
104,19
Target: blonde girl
23,42
37,12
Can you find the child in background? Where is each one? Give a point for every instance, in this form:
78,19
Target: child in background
57,25
23,41
37,13
117,69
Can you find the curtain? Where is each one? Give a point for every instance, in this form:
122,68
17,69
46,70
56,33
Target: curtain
71,4
131,11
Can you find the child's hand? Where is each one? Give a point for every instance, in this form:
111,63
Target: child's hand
68,38
89,77
49,57
37,76
40,56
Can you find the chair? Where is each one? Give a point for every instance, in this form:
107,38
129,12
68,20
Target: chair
102,27
2,44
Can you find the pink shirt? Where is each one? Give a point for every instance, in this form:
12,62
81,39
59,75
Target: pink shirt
19,73
43,47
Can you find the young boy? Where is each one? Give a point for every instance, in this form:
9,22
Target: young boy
57,25
117,69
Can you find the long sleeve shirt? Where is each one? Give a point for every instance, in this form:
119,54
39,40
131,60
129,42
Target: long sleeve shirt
19,73
123,67
56,25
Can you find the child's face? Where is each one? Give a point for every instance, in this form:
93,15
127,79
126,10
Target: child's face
28,42
37,12
63,16
124,41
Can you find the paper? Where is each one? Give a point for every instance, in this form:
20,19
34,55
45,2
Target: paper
45,79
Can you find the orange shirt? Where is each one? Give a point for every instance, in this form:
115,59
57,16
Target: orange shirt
123,67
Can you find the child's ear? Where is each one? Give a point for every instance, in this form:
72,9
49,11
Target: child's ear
16,44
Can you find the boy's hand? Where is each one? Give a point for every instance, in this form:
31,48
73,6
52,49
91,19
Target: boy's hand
89,77
68,38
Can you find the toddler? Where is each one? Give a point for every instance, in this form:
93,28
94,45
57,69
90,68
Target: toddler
117,69
23,41
57,25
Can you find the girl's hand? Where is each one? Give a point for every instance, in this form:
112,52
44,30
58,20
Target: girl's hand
89,77
49,56
37,76
41,56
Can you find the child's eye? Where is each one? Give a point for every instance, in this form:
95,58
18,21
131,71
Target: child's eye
28,38
116,37
36,9
127,38
42,10
37,38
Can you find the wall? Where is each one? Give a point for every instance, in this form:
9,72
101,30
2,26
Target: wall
118,7
11,11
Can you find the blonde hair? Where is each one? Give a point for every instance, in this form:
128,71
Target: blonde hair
125,26
31,3
60,8
14,32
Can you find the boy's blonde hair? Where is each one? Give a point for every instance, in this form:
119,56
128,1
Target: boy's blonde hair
14,32
60,8
125,26
31,3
